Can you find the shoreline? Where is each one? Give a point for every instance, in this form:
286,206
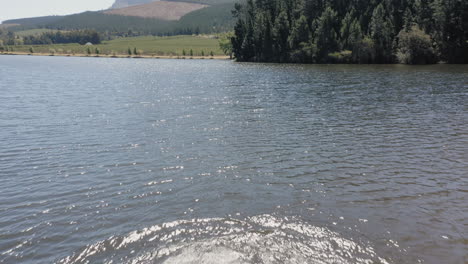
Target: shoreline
216,57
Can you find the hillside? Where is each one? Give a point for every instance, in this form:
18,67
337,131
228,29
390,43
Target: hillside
3,26
163,10
127,3
206,2
114,24
212,19
160,18
33,21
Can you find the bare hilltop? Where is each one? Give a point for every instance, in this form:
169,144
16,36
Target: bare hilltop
127,3
163,10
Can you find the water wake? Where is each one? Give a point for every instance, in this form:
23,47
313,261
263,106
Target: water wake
259,239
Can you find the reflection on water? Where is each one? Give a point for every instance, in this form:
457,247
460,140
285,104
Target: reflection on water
116,160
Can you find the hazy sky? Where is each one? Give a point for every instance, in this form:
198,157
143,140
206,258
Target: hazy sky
10,9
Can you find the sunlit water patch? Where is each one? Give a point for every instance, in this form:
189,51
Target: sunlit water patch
258,239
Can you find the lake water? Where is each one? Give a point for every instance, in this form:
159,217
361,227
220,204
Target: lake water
203,161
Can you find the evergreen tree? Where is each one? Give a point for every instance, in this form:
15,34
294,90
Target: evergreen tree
239,32
248,45
423,14
355,34
299,33
326,36
451,21
408,20
267,40
248,42
345,31
382,34
281,35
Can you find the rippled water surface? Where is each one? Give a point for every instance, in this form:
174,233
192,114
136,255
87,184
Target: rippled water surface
170,161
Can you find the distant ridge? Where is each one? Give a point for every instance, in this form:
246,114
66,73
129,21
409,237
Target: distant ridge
127,3
187,17
34,21
163,10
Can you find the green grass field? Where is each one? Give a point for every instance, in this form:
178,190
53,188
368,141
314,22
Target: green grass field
162,46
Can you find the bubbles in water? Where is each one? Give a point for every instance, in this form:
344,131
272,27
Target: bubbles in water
259,239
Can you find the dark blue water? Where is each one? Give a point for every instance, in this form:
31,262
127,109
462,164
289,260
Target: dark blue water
170,161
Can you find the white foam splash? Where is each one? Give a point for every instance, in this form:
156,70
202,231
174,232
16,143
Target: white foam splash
258,239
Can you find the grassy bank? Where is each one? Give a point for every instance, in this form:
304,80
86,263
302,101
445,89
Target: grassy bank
214,57
202,46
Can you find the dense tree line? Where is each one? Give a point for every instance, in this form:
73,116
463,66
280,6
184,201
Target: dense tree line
58,37
7,37
351,31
